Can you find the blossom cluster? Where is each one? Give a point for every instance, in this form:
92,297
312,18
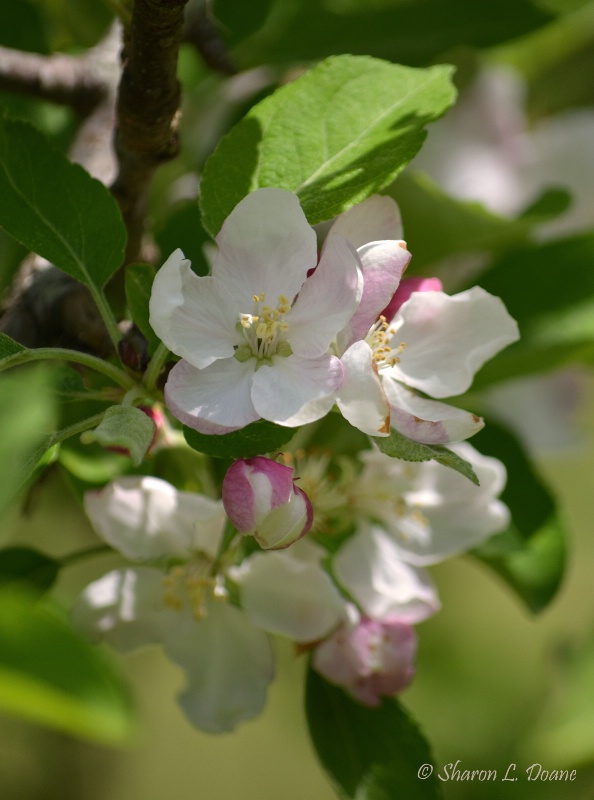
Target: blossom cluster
328,551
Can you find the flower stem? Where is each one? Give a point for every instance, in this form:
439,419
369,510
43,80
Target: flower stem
59,354
155,366
89,552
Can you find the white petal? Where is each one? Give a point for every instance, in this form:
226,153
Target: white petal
370,568
194,318
455,514
375,218
125,608
281,391
265,245
289,596
214,400
360,397
229,664
146,518
428,421
448,339
327,301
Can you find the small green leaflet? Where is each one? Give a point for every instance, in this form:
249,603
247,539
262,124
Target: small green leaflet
8,347
396,445
20,565
56,209
124,427
334,136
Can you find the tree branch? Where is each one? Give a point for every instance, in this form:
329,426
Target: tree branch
66,80
147,108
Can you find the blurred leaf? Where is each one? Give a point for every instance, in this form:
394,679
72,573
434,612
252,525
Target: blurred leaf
530,556
124,427
22,27
334,136
550,204
8,346
57,209
25,565
238,19
369,753
26,414
139,282
49,676
255,439
396,445
75,25
413,33
457,226
183,229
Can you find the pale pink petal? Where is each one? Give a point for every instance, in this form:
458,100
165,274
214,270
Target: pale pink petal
192,316
428,421
125,608
281,391
375,218
215,399
361,397
449,338
146,518
383,264
311,411
228,662
265,245
252,488
288,596
405,288
370,568
327,301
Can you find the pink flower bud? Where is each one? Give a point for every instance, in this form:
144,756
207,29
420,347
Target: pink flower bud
405,288
369,659
261,499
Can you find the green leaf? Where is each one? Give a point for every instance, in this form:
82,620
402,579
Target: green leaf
25,565
369,753
396,445
56,209
414,33
255,439
49,676
334,136
27,412
8,346
183,229
531,555
124,427
139,282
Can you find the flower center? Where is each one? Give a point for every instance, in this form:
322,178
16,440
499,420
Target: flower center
379,339
264,330
190,583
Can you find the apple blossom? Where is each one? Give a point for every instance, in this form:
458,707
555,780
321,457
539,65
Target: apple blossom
177,600
254,336
369,658
261,498
434,343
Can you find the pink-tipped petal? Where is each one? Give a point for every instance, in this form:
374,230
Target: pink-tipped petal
428,421
214,400
406,287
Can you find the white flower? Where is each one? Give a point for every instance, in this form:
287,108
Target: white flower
435,343
184,608
254,336
431,511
